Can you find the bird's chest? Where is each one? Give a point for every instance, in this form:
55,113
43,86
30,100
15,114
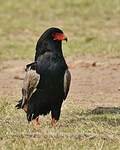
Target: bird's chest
50,65
51,70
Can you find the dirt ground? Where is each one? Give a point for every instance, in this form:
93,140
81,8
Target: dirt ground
95,80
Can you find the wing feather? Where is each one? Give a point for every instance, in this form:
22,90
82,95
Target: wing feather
67,81
30,83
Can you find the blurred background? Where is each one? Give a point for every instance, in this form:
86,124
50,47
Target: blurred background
92,26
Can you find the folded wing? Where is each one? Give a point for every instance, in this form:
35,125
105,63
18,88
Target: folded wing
30,83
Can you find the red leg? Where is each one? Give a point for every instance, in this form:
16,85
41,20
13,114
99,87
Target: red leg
36,122
53,122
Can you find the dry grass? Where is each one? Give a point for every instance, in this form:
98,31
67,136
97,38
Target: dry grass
76,129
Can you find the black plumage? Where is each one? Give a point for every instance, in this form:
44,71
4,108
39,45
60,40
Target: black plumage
54,81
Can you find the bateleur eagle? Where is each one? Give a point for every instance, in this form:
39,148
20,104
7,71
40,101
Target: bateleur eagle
47,80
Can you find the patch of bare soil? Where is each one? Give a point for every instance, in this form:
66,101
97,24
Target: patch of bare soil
95,80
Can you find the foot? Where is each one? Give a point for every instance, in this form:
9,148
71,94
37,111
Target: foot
36,123
54,122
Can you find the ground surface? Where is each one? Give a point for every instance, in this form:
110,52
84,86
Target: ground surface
92,85
90,115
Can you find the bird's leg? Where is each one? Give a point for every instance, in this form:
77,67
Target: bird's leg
36,123
54,122
55,114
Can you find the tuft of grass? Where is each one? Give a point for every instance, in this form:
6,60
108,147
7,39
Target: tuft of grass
92,26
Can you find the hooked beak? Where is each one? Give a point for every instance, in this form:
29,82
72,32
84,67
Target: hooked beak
66,39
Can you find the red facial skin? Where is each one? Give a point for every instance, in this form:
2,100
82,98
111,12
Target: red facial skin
59,36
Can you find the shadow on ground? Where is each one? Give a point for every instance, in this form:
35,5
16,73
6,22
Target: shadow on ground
100,115
105,110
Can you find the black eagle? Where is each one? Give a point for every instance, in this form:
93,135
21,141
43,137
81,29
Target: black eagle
47,80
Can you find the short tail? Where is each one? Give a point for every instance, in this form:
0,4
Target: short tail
19,104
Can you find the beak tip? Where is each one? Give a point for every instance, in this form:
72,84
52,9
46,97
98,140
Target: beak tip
66,39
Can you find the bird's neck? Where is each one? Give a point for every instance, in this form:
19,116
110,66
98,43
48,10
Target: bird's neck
57,48
52,46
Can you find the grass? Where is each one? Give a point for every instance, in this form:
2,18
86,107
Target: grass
77,129
92,26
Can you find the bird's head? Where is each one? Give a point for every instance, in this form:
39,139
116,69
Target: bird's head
54,34
51,40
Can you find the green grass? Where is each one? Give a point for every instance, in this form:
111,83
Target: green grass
92,26
77,129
